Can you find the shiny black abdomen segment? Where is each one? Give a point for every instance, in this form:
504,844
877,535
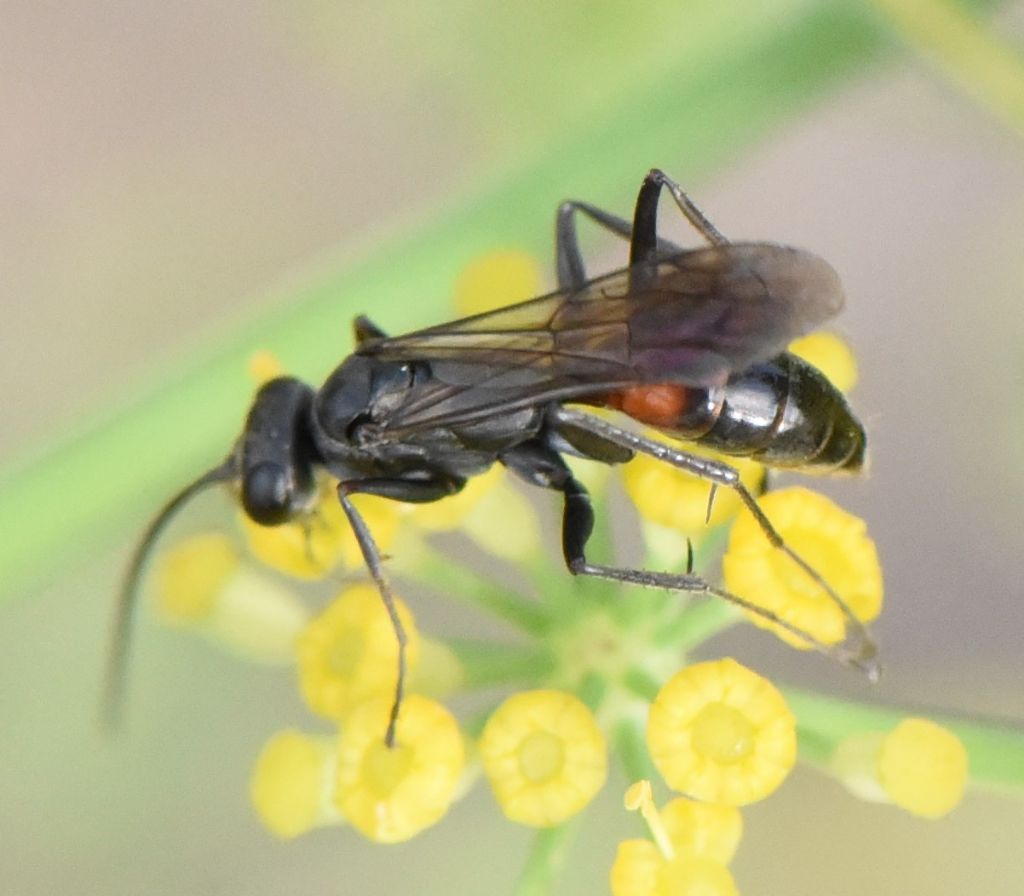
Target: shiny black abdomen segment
276,452
782,412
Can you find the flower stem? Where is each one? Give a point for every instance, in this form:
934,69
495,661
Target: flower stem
486,663
547,856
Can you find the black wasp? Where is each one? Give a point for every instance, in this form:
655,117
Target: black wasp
690,341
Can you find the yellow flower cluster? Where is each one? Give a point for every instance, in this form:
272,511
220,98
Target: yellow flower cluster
719,734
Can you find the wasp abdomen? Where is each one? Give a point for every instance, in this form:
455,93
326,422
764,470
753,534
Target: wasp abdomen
783,412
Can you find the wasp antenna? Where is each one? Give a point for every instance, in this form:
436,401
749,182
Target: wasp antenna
117,656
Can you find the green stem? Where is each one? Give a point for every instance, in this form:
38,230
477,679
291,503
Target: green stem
486,663
459,583
547,856
996,749
702,619
631,749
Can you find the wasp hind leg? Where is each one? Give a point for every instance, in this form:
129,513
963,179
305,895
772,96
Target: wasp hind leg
541,465
645,244
569,264
577,529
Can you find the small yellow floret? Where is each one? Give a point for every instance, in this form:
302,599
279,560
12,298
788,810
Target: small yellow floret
641,870
832,541
349,653
311,547
504,523
544,755
291,784
923,768
258,617
449,513
390,794
204,584
499,278
264,367
831,355
193,575
721,733
678,500
710,830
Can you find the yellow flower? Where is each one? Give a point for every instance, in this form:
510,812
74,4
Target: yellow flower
831,355
919,766
833,542
544,755
192,576
202,583
689,850
292,782
679,500
349,653
499,278
640,869
390,794
721,733
449,513
923,768
264,367
710,830
504,523
311,547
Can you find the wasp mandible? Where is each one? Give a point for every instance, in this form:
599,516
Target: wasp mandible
689,341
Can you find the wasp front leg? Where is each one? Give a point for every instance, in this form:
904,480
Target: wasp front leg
416,491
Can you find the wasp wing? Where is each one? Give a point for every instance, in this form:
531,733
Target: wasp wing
693,319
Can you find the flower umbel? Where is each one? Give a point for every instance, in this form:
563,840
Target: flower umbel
595,665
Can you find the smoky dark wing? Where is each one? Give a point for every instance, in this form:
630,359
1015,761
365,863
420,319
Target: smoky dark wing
694,319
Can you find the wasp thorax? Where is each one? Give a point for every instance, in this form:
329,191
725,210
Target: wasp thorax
355,390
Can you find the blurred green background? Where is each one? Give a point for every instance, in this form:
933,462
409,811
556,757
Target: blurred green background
185,183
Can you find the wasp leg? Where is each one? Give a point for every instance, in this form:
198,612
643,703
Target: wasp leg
414,491
724,475
539,464
366,330
568,258
644,247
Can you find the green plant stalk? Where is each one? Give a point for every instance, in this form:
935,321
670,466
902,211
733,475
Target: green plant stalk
547,856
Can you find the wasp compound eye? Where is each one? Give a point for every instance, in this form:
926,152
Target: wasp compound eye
267,494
